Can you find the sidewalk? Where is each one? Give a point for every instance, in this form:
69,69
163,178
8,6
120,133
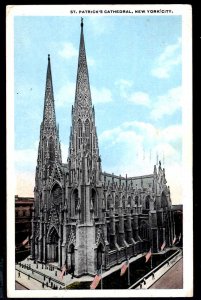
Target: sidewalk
31,283
172,279
33,276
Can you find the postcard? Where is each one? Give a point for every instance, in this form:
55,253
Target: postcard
99,147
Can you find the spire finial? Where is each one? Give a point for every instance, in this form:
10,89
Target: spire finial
48,56
82,22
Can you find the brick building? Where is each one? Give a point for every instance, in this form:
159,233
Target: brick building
82,216
23,216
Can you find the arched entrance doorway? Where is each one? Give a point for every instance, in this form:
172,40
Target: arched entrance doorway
99,256
71,261
53,246
74,202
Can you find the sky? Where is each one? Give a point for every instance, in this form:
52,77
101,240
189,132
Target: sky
135,73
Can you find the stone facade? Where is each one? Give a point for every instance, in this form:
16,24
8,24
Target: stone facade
82,216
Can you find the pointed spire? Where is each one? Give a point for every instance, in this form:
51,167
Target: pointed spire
49,110
83,94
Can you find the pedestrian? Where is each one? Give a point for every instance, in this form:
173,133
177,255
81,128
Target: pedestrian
55,273
51,284
46,283
19,274
44,277
140,285
49,279
153,277
29,277
43,285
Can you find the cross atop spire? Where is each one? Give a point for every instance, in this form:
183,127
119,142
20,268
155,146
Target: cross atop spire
49,117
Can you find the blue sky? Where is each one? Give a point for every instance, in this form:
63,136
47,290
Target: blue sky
135,74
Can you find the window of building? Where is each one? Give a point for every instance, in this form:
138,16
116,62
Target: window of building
79,133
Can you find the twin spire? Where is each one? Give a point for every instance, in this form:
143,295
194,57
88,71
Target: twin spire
82,94
49,117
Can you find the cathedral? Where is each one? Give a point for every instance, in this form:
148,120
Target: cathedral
85,218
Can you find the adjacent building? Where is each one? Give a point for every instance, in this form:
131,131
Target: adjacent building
23,216
84,217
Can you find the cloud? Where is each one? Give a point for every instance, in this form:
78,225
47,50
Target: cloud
167,104
124,86
65,95
68,51
137,145
102,95
140,98
170,57
161,105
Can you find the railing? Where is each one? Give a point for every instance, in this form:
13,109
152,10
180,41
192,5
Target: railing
151,273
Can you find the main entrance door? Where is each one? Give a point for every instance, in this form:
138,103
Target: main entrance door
53,246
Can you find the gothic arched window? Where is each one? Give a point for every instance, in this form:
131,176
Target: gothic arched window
136,200
94,201
87,132
56,194
87,128
74,202
79,133
147,202
109,202
116,203
129,201
51,149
